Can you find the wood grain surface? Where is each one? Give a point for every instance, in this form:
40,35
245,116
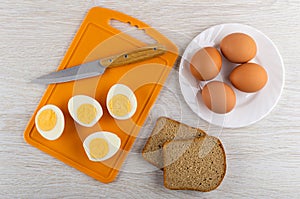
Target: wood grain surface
263,159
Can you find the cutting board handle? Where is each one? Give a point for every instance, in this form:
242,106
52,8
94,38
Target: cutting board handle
109,15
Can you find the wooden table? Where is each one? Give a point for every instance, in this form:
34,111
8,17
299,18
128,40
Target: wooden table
263,159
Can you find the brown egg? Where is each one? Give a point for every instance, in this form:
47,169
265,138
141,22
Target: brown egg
218,97
238,47
206,63
249,77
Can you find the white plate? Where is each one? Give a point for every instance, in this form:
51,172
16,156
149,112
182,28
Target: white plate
250,107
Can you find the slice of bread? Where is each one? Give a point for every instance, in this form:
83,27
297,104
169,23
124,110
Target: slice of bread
165,130
195,164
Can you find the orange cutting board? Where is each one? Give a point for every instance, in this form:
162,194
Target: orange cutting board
97,39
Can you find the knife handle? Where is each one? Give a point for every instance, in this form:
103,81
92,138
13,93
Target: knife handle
140,54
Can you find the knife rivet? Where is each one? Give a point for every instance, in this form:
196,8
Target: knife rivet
126,56
110,60
154,48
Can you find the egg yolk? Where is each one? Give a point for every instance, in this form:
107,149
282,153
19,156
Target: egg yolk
47,120
86,113
120,105
98,148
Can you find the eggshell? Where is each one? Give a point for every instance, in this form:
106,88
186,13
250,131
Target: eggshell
238,47
249,77
218,97
206,63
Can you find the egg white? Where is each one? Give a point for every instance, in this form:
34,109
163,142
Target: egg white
58,129
76,101
114,143
123,90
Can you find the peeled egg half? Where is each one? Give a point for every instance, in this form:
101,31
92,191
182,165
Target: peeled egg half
85,110
101,145
50,122
121,102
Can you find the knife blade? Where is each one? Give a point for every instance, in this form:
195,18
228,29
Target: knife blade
97,67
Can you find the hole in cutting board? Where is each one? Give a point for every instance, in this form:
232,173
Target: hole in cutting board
133,31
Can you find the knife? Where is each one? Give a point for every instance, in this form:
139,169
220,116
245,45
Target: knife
97,67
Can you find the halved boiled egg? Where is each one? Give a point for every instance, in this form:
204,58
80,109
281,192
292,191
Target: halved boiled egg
121,102
85,110
101,145
50,122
